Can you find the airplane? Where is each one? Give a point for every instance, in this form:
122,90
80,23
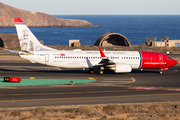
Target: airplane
117,61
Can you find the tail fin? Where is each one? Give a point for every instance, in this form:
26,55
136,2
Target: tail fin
28,42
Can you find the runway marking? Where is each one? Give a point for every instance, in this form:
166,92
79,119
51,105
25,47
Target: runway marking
63,85
93,92
75,92
88,97
68,93
120,80
9,87
114,81
117,79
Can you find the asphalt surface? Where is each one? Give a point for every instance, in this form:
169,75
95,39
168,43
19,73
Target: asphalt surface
135,87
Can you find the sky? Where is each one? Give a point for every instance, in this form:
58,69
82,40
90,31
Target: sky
99,7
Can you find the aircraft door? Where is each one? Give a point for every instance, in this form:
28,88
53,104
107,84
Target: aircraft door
160,58
46,57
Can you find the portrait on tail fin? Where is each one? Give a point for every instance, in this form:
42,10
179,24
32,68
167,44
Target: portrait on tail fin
25,43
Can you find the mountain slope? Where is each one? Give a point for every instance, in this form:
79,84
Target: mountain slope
36,19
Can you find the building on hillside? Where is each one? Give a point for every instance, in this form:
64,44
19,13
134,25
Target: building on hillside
74,43
169,43
112,39
9,40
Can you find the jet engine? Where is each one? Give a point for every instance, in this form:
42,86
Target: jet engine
121,68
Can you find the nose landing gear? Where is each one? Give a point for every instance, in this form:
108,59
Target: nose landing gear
160,71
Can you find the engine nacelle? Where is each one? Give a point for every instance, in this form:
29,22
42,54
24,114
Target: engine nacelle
122,68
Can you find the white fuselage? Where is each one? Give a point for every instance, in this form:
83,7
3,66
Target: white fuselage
83,59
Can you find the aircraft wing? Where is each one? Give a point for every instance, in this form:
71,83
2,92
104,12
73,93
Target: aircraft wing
105,62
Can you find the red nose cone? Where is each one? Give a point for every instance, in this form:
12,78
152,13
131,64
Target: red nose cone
174,62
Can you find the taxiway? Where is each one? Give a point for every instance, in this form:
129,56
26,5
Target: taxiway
135,87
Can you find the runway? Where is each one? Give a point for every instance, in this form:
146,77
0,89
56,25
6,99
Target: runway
135,87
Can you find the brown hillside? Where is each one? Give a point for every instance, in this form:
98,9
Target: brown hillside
35,19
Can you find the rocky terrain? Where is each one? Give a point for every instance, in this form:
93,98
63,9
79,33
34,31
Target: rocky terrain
36,19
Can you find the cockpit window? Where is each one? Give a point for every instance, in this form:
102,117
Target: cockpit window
168,57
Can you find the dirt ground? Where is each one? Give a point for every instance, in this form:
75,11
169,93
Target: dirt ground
131,111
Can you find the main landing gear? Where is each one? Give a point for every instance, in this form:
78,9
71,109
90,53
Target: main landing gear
91,71
100,71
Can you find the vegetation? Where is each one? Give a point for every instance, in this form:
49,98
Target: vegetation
155,38
161,39
136,111
147,41
167,38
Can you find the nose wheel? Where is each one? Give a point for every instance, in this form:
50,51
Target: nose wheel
160,71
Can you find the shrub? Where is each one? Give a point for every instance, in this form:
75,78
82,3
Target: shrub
15,113
103,118
39,110
69,110
83,110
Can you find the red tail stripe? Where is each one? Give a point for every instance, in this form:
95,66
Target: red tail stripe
18,20
101,52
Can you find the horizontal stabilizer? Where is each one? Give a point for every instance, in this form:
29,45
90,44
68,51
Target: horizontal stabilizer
13,51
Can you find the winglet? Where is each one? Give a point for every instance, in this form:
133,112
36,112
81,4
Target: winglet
18,20
102,54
